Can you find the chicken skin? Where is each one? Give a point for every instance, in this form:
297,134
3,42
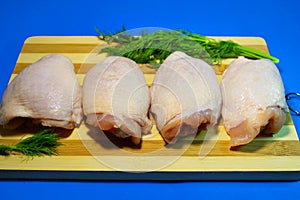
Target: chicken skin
47,92
185,96
116,98
253,99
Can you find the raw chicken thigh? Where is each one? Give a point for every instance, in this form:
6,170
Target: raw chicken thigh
46,91
253,99
185,95
116,98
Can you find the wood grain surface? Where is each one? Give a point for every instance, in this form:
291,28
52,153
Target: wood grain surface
89,154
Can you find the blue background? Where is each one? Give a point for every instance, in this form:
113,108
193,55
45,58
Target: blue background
276,21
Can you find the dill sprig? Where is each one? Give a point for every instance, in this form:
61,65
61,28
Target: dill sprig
226,48
120,36
155,47
42,143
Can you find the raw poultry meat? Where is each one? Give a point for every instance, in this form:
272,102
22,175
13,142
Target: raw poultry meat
116,98
253,99
46,91
185,95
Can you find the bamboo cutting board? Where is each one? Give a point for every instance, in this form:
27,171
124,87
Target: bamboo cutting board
88,154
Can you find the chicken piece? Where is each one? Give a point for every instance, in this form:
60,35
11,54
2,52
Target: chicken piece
46,91
253,99
116,98
185,95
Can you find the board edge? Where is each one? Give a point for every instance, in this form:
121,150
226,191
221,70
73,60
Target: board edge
150,176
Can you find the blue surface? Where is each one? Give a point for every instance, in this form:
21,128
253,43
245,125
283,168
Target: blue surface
276,21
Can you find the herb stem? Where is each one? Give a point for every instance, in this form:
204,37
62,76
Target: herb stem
249,52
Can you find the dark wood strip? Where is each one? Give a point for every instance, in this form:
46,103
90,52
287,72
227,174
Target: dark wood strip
84,48
221,148
58,48
158,148
122,147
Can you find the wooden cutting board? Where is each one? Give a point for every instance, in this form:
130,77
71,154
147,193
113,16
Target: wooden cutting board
89,154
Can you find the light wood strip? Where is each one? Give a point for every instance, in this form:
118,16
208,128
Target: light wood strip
74,57
63,40
238,163
206,164
246,41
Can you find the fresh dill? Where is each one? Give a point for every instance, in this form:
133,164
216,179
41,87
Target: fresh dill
119,36
42,143
155,47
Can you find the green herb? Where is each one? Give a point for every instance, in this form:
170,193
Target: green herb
42,143
227,49
119,36
155,47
